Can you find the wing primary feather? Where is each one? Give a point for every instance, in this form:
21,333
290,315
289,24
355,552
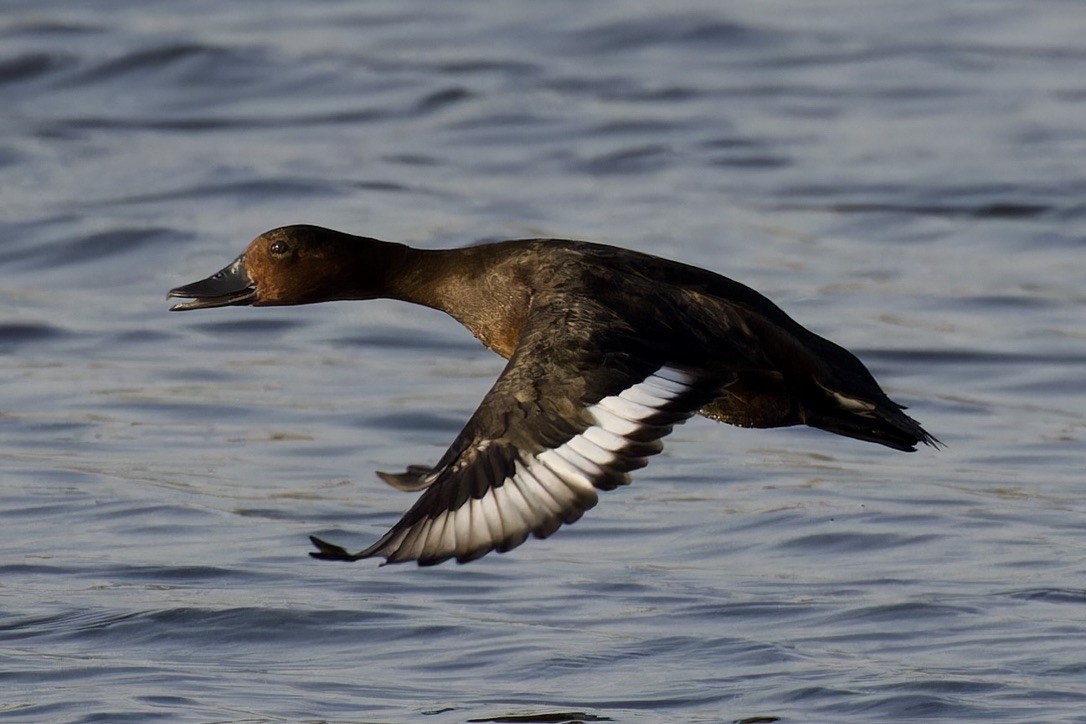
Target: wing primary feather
672,374
462,527
489,493
488,506
448,532
549,518
562,463
623,407
551,484
665,387
480,528
642,395
582,445
518,503
605,439
410,547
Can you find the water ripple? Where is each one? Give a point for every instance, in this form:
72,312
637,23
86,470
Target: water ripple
905,183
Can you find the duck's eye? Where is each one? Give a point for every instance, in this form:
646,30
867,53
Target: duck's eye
279,248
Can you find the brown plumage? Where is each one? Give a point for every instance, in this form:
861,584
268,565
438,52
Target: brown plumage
607,348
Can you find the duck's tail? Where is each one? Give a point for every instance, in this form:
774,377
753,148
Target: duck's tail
760,399
881,421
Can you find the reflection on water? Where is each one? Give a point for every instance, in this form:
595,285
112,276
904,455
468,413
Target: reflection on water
907,184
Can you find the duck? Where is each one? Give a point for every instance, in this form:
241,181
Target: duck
608,349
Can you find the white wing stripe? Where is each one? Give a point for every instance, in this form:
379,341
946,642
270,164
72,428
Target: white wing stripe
591,450
545,489
565,472
509,517
548,487
519,504
461,525
673,375
604,438
642,395
436,538
477,528
644,399
551,484
448,532
628,409
664,386
422,543
488,506
543,504
613,423
580,464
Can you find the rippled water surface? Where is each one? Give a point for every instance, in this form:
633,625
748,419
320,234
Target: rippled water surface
906,178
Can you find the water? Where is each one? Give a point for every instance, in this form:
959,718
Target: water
905,178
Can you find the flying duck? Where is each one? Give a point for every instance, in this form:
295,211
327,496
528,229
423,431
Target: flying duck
608,349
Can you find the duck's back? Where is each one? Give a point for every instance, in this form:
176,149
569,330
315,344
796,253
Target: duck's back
787,375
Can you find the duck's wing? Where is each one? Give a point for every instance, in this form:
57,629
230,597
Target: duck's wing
583,400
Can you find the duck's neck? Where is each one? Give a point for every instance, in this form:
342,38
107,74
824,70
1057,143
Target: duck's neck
480,287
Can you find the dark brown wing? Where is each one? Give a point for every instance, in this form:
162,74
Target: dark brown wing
583,401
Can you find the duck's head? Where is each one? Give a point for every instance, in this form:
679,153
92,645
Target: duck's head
295,265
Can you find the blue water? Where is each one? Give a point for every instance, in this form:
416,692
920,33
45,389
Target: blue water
906,178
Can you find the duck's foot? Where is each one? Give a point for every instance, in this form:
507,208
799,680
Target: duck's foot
329,552
414,480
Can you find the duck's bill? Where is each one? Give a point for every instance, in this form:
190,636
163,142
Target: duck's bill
230,286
